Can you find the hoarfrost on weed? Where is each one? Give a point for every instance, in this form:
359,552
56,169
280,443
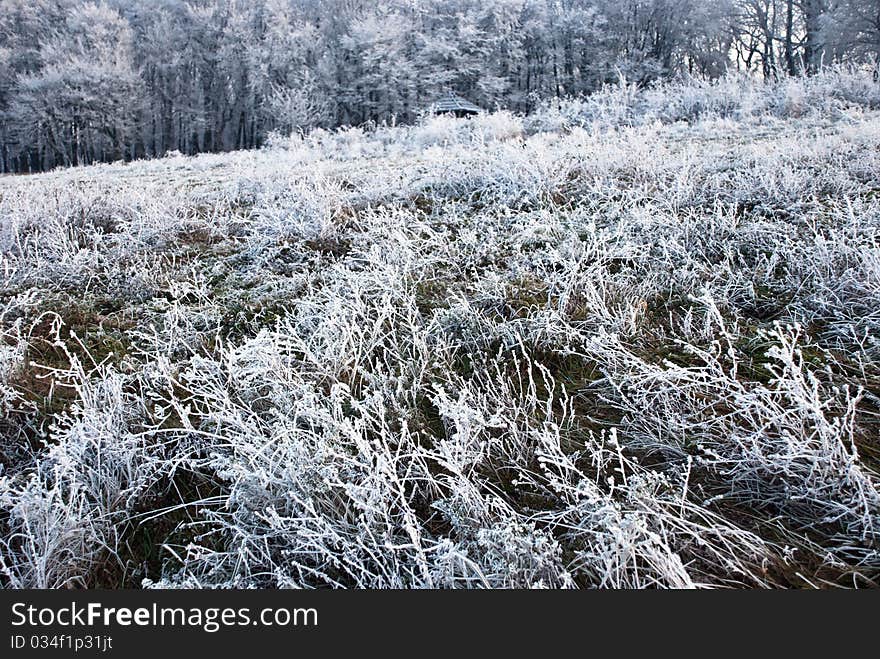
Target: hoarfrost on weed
630,340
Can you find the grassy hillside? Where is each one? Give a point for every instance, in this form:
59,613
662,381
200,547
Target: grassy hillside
631,341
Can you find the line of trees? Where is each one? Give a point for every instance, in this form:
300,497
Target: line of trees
95,81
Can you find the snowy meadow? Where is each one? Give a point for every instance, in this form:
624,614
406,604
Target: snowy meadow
626,341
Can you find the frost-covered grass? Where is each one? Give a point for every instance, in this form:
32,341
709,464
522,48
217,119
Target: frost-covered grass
596,346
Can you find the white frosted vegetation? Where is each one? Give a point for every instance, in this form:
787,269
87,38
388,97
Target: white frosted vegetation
595,346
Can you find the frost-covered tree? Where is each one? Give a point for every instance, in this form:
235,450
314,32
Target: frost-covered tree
852,29
82,105
375,72
299,107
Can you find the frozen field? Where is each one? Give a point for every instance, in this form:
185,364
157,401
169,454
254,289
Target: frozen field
630,342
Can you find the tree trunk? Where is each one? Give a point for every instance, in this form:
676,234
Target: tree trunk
813,10
789,47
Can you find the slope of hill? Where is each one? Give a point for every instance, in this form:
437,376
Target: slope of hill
625,342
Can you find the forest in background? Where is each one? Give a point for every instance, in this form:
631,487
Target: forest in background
82,82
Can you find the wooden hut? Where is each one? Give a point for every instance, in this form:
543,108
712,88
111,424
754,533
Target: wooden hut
455,105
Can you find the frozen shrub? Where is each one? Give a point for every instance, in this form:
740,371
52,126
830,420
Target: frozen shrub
613,105
556,115
519,556
64,519
693,100
436,130
302,208
501,125
11,361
